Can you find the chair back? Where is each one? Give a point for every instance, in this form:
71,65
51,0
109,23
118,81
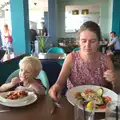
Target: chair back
52,69
76,49
43,77
56,50
12,75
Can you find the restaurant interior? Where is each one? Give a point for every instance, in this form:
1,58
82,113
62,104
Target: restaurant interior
62,19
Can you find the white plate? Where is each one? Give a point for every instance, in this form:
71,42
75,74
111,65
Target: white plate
4,95
31,98
107,92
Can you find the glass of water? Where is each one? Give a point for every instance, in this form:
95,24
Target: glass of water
81,113
113,111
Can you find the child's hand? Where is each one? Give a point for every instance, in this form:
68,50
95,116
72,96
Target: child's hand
15,81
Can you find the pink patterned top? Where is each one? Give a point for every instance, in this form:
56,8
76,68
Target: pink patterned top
87,73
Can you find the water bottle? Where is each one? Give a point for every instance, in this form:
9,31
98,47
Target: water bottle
37,46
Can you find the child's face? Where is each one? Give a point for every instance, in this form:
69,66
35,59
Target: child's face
26,73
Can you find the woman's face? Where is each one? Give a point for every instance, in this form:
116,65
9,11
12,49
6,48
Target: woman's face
26,73
88,42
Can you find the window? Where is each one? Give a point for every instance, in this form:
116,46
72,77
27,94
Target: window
73,22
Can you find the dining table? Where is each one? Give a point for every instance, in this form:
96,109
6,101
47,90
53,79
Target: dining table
52,56
40,110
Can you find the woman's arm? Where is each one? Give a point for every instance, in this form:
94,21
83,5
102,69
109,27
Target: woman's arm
109,63
65,71
55,90
110,74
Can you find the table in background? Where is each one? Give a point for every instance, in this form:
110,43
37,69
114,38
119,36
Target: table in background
51,56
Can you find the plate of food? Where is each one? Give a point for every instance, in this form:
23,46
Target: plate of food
17,98
94,95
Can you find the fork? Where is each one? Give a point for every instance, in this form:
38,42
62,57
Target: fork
55,104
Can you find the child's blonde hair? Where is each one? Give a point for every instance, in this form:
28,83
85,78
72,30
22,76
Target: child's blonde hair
32,62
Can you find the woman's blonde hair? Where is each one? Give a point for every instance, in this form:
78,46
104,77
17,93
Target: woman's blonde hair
32,62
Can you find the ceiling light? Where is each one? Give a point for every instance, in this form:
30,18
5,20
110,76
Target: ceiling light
35,4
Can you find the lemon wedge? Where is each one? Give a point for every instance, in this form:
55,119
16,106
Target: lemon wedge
90,106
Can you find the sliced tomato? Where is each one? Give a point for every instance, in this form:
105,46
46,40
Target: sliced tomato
89,91
102,107
107,99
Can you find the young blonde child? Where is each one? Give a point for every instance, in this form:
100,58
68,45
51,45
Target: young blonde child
30,68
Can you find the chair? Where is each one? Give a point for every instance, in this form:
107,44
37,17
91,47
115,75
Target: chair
56,50
12,75
42,76
52,69
76,49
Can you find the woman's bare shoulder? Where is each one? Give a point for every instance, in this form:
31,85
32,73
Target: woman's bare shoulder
69,57
73,54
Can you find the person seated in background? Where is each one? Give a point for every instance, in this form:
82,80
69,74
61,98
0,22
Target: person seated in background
114,44
52,45
30,68
86,66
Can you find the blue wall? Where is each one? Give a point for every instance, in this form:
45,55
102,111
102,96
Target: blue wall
52,20
116,17
20,26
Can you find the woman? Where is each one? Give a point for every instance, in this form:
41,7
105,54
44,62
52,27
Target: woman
87,66
7,34
8,39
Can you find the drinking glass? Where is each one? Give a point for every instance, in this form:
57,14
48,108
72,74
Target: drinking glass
82,114
113,111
